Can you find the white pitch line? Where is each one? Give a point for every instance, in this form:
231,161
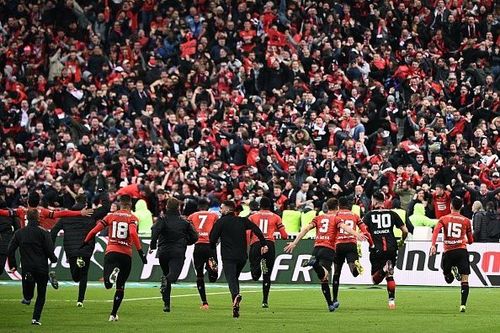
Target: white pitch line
156,297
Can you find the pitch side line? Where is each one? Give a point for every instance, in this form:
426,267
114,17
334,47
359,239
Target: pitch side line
156,297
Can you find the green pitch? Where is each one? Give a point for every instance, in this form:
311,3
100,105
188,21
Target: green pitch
293,308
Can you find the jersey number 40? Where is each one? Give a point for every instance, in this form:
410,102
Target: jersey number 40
383,221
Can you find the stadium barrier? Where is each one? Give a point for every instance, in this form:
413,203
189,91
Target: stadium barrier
414,265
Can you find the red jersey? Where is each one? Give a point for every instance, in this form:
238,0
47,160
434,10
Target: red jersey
122,232
47,216
441,204
203,222
268,223
325,230
457,232
351,220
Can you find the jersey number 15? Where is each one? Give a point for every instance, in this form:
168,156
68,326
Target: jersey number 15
454,230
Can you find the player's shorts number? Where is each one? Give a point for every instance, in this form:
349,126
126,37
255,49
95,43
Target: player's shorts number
382,221
454,230
203,219
324,225
263,224
120,230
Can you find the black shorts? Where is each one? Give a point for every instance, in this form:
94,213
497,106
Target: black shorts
379,259
255,257
345,251
324,255
202,252
458,258
121,261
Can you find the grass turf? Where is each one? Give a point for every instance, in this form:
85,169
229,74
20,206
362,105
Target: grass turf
293,308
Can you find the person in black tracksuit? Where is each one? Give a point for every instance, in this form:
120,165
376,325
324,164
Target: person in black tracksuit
232,232
172,234
8,225
75,230
36,248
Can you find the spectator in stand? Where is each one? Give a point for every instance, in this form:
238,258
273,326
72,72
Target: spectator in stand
486,224
209,101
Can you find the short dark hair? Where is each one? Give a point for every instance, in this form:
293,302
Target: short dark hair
173,204
265,203
229,204
378,196
202,205
126,200
332,203
32,215
457,203
253,205
344,203
34,199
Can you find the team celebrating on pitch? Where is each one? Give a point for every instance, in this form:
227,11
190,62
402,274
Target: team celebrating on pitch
337,234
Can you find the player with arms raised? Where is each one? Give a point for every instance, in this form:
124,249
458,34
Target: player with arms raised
383,254
457,233
204,255
323,252
346,248
262,264
47,216
122,233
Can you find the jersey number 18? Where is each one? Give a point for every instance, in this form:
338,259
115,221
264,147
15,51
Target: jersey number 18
119,230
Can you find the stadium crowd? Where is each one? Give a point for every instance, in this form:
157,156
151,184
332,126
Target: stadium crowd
210,100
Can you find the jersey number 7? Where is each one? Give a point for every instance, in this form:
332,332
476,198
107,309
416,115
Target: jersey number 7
203,219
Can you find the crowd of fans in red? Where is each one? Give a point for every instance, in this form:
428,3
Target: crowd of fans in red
215,99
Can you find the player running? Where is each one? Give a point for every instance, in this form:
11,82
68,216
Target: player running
457,232
323,252
232,232
172,233
380,223
122,233
35,248
75,229
45,216
346,245
204,255
262,264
